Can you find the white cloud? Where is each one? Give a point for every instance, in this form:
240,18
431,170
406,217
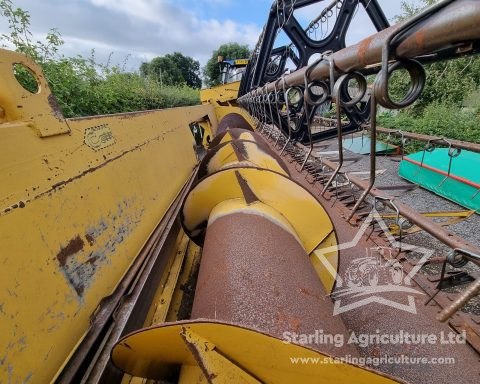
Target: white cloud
148,28
146,10
142,28
183,29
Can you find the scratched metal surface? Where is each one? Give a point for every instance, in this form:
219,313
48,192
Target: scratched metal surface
75,210
388,320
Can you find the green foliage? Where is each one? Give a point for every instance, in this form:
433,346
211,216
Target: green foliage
26,78
448,82
173,69
437,120
230,51
410,9
82,86
85,88
450,87
20,36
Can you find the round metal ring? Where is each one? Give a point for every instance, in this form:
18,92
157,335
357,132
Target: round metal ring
300,92
342,83
417,84
313,99
454,152
455,261
271,97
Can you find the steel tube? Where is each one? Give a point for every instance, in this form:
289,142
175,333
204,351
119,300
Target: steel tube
469,294
474,147
457,22
255,273
435,230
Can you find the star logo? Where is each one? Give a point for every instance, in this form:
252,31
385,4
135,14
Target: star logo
360,283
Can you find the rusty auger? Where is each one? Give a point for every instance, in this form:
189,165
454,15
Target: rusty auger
268,263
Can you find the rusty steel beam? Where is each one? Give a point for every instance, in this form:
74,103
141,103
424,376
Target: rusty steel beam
469,294
440,233
474,147
451,26
256,274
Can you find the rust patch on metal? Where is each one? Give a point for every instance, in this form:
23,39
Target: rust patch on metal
308,292
75,245
79,263
363,49
185,309
90,238
52,101
235,133
248,194
233,120
420,38
252,274
92,260
240,150
197,356
126,346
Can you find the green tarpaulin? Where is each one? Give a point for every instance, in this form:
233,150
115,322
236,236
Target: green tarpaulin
462,185
361,145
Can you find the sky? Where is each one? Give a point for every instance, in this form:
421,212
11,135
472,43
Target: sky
144,29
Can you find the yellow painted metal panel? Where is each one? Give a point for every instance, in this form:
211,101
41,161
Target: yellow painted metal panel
218,368
223,99
220,94
254,156
163,298
39,109
75,210
146,353
297,205
326,270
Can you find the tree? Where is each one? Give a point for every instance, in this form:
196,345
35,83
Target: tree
21,38
190,69
410,9
448,82
230,51
173,69
83,86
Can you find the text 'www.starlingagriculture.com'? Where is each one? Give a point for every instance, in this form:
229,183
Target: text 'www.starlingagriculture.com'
373,361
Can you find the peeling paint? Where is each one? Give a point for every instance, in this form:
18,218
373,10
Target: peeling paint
28,378
75,245
79,262
61,184
90,239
